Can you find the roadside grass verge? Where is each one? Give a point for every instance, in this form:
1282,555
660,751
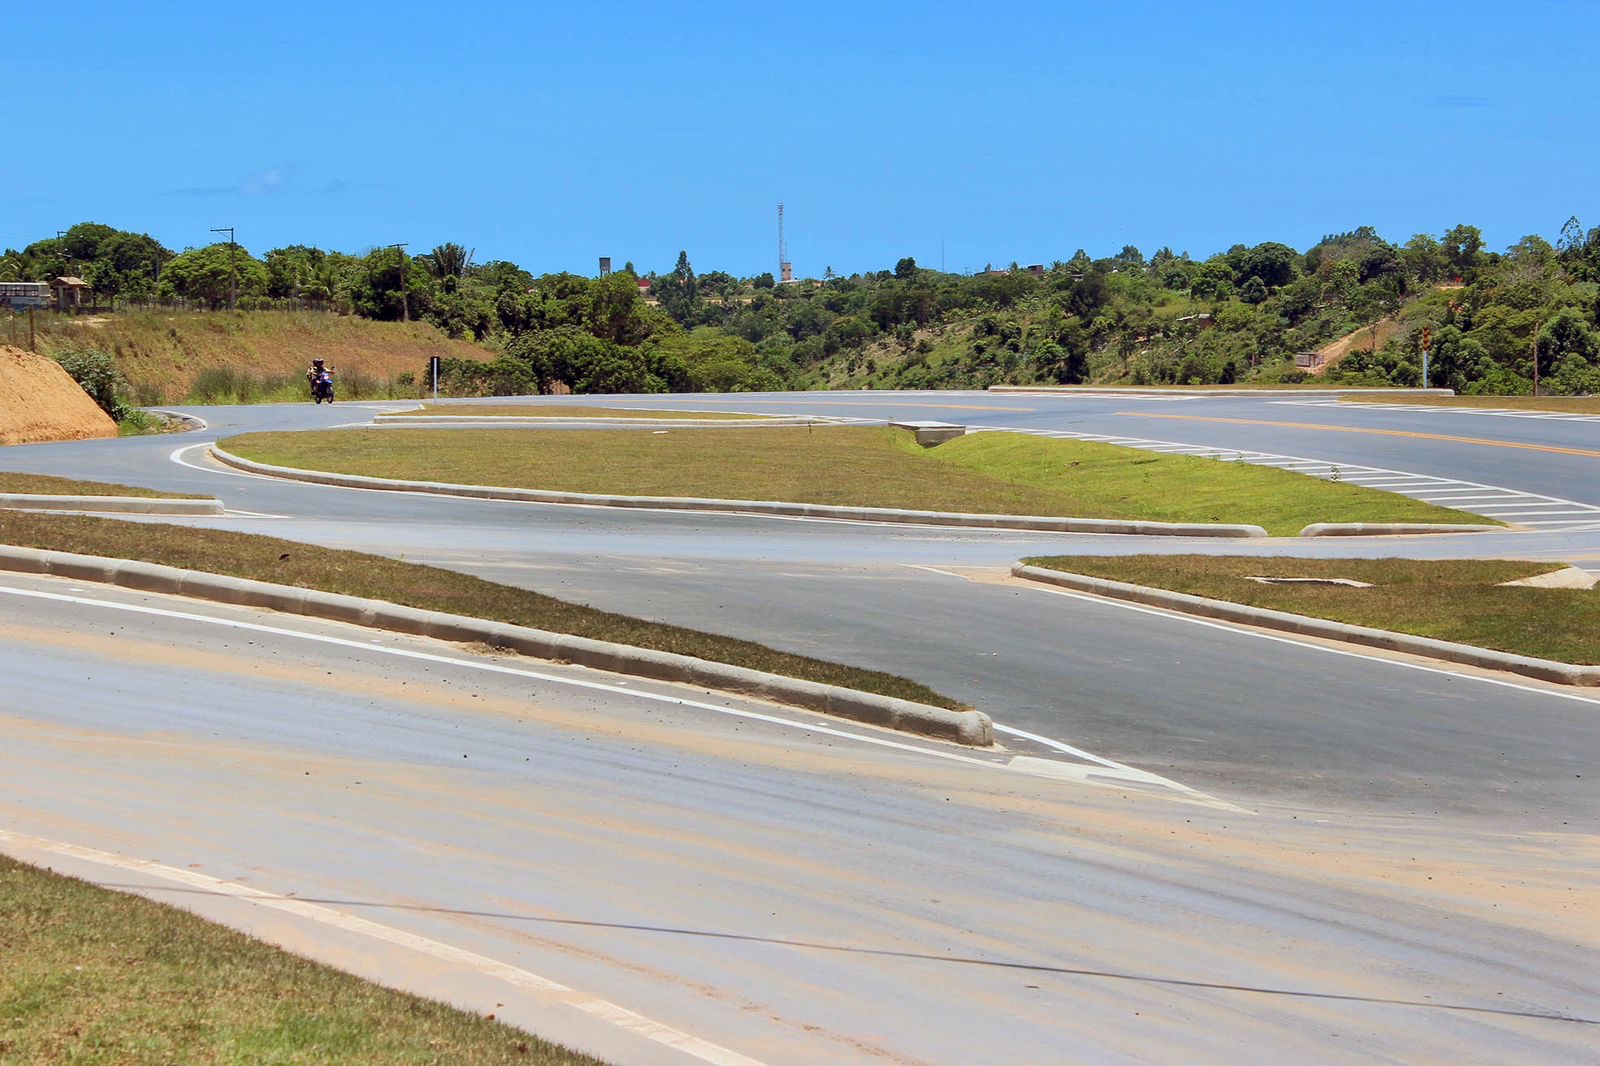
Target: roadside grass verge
984,473
562,411
285,562
1571,405
102,976
46,485
1456,600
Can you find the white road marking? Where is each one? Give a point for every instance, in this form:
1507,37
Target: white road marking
1059,746
1437,409
522,980
934,570
1350,652
615,688
1405,483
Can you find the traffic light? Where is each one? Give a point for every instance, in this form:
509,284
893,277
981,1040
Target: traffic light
1427,338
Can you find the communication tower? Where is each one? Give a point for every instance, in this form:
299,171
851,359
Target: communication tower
785,268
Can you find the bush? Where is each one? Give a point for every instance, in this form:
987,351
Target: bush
96,373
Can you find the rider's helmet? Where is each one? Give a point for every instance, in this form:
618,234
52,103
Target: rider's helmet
317,363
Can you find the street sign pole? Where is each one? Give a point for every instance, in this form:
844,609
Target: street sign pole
433,367
1427,339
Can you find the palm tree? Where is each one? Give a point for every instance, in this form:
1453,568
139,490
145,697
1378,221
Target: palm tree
449,261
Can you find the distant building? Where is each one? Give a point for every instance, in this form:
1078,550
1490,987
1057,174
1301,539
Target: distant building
605,265
15,295
69,292
1308,360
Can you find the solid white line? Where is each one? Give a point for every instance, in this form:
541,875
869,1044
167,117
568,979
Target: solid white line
1065,748
934,570
1354,654
522,980
496,668
619,690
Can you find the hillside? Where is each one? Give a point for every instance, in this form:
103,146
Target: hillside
165,354
39,402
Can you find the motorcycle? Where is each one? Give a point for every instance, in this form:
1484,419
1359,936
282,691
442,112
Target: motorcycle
322,386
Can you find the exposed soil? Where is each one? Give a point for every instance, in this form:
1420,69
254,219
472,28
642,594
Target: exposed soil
40,402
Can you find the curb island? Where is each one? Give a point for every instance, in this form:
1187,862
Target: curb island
972,728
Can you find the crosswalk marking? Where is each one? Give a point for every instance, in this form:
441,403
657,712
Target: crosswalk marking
1496,412
1491,501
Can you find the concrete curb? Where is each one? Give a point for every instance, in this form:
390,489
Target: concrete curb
193,421
972,728
1467,654
1134,390
1390,529
19,501
804,510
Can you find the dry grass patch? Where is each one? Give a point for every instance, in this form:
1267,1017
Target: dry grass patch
983,473
1456,600
92,975
46,485
164,353
285,562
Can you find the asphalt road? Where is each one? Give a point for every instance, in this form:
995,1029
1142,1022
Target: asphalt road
1483,780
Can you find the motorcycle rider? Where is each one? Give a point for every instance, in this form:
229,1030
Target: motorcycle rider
316,371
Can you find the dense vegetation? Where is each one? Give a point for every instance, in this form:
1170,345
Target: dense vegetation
1239,316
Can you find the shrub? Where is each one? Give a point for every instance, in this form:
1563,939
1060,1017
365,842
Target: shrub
96,373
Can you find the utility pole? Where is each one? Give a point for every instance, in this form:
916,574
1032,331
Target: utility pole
233,267
405,297
1536,358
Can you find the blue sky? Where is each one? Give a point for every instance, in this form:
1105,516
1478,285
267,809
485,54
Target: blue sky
1009,131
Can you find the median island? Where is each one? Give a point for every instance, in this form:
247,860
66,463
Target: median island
852,466
1461,601
48,485
347,573
550,411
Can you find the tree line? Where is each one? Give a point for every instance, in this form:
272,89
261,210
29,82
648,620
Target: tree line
1497,320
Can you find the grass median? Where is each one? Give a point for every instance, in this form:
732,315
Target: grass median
1571,405
1457,600
92,975
982,473
46,485
525,410
286,562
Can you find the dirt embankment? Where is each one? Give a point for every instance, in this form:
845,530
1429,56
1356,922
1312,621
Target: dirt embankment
39,402
163,353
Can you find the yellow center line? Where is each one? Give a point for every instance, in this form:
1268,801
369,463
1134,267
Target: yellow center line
1481,442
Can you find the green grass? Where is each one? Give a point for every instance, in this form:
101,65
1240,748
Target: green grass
563,411
46,485
986,473
91,975
1459,601
347,573
1572,405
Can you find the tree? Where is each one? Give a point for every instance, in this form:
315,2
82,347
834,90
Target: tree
1463,247
1271,262
1424,259
205,274
448,263
678,292
905,269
